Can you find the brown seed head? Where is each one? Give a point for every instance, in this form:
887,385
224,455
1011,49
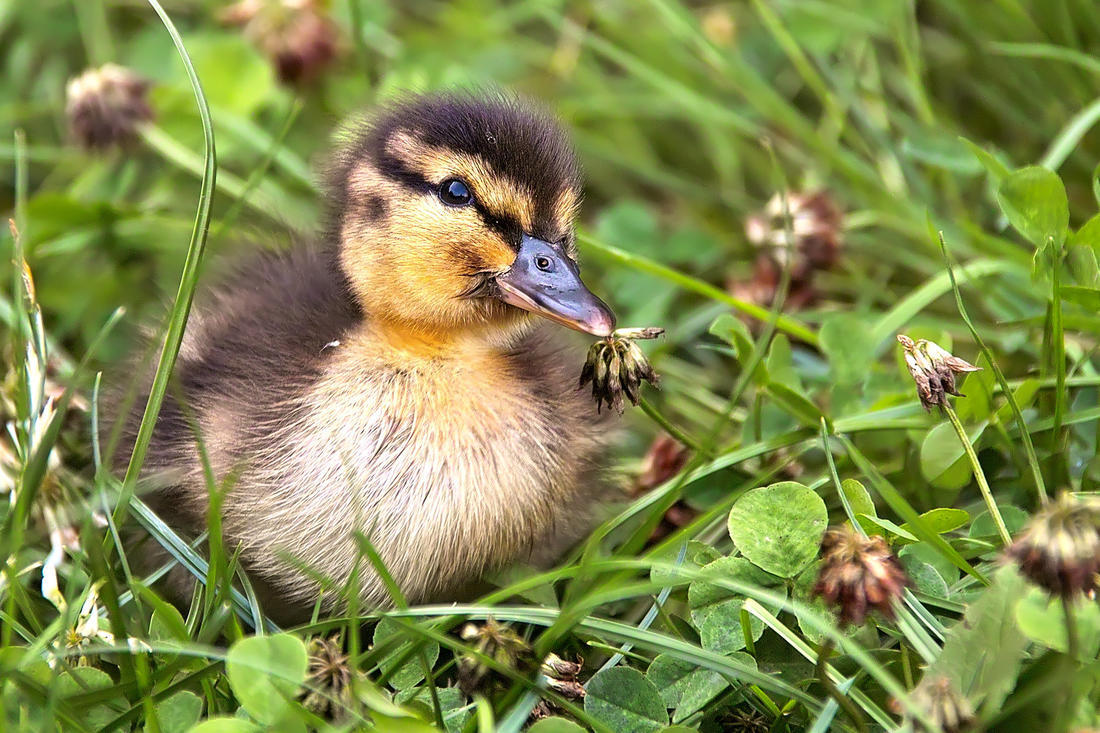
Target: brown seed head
105,106
494,640
857,574
329,678
944,705
933,369
297,36
1059,549
616,366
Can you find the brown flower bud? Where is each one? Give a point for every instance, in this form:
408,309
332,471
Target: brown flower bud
298,38
812,239
944,705
933,370
857,574
496,641
105,106
1059,549
616,366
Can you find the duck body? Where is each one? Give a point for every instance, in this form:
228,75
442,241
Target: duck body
345,388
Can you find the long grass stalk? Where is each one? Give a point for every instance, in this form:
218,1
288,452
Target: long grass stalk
1006,390
181,309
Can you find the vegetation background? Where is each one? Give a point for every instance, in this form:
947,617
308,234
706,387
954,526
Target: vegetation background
691,605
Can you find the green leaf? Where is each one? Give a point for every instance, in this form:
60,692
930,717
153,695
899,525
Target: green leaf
984,526
624,700
926,578
1088,298
412,671
685,687
697,555
452,703
179,712
225,725
858,497
880,526
924,553
1043,620
983,651
996,169
734,332
797,404
265,672
847,339
941,454
1034,200
934,147
942,520
1096,183
780,363
779,527
80,680
716,611
234,76
555,725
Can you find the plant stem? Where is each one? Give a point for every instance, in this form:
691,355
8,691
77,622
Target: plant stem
1025,436
842,700
667,426
979,474
1072,643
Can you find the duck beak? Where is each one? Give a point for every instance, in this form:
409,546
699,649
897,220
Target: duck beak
544,280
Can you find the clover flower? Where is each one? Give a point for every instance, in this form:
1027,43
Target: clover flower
812,239
1059,549
857,574
86,634
933,369
297,36
616,366
105,106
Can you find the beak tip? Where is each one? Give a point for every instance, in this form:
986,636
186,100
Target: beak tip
602,325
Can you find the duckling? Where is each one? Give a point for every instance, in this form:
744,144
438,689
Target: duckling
401,378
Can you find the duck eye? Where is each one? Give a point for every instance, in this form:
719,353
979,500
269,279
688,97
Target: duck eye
455,192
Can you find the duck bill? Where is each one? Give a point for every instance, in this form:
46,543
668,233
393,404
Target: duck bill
545,281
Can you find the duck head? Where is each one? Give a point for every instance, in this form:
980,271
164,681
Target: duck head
455,214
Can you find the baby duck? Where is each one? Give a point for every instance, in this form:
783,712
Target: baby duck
393,380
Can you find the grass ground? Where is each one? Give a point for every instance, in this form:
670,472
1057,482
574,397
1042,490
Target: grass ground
780,372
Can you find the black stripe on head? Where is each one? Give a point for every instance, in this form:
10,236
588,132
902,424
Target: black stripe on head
518,142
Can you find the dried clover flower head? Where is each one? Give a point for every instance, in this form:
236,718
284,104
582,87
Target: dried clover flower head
933,369
494,640
857,574
298,38
105,106
616,366
1059,549
561,676
944,705
664,459
813,241
329,677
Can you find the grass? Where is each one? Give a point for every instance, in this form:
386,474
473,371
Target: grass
915,119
